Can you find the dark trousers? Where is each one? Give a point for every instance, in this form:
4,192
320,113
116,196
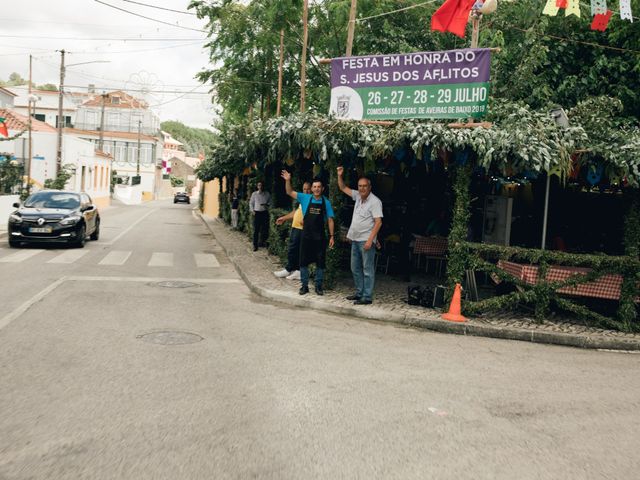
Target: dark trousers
293,253
260,228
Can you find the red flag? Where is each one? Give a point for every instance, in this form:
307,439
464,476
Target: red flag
562,3
452,17
3,128
601,20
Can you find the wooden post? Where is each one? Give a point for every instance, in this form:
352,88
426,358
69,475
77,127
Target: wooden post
475,22
352,26
280,71
305,35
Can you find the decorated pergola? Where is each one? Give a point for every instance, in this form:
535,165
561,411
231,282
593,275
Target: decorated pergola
516,140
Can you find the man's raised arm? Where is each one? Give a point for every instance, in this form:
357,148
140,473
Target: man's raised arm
287,184
341,184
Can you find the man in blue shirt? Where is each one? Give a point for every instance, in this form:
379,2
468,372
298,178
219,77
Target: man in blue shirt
316,210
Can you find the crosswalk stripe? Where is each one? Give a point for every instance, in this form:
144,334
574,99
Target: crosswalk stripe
20,256
117,257
206,260
161,259
69,256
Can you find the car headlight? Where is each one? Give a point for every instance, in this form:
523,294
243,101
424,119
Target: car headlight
13,218
71,220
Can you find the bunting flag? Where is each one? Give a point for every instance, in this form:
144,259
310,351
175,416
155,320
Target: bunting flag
551,8
598,7
452,17
562,3
625,10
600,21
573,8
3,128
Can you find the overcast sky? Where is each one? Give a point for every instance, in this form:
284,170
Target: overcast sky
90,31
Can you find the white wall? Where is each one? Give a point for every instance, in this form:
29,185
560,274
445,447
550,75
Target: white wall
6,202
43,150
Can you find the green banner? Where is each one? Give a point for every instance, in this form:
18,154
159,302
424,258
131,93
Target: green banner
426,101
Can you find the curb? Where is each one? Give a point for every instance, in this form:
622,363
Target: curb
434,323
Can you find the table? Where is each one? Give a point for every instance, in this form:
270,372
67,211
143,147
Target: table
607,286
431,248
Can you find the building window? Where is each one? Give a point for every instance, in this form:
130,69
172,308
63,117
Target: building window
115,100
113,121
40,117
67,121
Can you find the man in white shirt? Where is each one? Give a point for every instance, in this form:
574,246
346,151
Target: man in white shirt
365,225
259,206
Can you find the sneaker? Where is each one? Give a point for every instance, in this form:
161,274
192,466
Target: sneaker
319,291
303,290
282,273
352,297
361,301
295,275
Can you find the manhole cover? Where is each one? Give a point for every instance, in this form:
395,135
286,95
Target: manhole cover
170,338
175,284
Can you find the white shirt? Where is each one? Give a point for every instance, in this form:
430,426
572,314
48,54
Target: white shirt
259,201
364,214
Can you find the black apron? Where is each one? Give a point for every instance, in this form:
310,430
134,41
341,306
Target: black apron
314,242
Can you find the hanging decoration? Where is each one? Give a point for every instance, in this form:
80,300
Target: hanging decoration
551,8
3,127
625,10
600,21
573,8
598,7
452,17
594,175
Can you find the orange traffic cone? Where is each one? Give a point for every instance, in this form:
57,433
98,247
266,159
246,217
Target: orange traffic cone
454,314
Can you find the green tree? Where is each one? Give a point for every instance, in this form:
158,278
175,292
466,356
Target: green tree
195,140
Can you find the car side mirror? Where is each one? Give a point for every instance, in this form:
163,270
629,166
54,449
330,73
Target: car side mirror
16,205
86,208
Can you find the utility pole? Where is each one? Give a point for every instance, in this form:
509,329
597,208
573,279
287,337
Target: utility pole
305,37
352,26
138,159
30,113
279,103
60,118
101,136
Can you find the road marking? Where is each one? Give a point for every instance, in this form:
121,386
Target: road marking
20,256
130,227
117,257
161,259
206,260
154,279
7,319
69,256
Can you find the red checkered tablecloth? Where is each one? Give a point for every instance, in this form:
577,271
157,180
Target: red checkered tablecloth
431,246
607,286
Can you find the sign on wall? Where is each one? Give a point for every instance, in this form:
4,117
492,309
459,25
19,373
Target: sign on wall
447,84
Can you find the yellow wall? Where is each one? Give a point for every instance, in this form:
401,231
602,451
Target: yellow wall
210,206
102,202
147,196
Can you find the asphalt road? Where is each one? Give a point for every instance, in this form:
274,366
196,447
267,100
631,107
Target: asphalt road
97,382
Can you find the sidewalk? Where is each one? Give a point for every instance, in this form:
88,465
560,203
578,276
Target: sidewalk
256,269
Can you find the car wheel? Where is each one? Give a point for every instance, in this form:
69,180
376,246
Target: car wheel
81,236
96,233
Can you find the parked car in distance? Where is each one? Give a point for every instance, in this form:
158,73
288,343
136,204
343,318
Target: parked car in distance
54,216
181,197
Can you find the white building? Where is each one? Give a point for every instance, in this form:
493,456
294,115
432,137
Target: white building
7,98
91,170
46,107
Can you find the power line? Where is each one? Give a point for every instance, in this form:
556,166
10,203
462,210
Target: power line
148,18
107,39
396,11
159,8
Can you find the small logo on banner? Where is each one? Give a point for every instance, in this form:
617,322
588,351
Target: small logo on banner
343,106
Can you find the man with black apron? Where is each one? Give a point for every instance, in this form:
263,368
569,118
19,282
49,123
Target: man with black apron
316,210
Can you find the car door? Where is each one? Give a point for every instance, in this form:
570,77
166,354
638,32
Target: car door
89,212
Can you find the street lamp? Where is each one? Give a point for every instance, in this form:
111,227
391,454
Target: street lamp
60,100
32,99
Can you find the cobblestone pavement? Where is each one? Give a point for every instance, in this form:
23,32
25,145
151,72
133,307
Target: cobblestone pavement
256,268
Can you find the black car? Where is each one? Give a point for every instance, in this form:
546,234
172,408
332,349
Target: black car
54,216
181,197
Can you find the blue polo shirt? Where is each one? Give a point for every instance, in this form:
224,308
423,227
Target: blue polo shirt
307,198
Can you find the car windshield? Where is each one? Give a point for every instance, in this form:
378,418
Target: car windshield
53,200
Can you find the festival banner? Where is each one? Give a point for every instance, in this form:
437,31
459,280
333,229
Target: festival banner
447,84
